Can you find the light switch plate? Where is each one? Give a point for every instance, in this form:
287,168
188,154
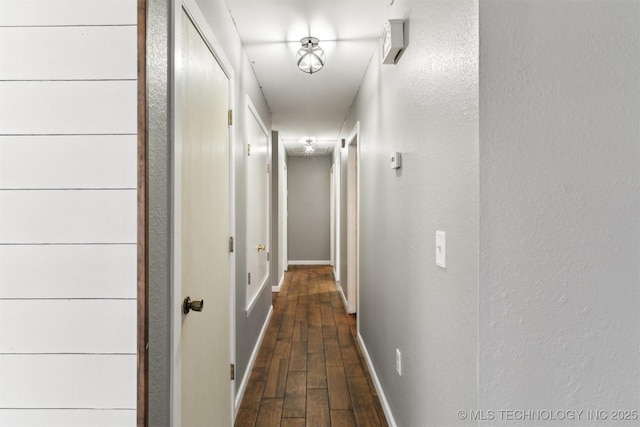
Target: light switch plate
441,249
396,160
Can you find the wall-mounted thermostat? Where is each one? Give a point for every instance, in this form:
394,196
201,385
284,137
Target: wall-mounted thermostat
396,160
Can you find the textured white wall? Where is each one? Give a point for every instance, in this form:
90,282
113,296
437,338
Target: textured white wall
559,206
425,107
68,213
159,231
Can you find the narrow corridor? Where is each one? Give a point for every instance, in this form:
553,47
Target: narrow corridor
310,370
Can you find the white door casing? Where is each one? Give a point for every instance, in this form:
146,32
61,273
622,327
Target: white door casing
336,195
285,220
332,215
258,155
282,207
353,209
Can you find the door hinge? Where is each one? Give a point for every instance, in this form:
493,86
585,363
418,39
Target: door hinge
268,168
230,117
230,244
233,371
249,277
268,256
248,149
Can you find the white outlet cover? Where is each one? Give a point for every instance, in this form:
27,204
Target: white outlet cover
441,249
398,362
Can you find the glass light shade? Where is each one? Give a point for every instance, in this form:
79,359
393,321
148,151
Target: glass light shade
309,144
310,56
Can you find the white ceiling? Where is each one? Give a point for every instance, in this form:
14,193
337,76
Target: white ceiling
304,105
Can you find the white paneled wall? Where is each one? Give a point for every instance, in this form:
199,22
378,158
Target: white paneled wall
68,212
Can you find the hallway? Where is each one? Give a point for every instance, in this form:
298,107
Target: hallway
474,163
310,370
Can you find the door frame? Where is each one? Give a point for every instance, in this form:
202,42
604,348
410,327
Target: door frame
353,220
332,217
251,300
193,12
282,211
337,176
285,217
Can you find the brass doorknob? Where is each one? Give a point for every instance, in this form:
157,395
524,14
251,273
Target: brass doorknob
195,305
261,247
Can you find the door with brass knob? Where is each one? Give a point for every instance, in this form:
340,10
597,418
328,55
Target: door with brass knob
202,232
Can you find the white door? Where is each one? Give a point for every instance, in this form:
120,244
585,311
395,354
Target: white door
204,233
257,205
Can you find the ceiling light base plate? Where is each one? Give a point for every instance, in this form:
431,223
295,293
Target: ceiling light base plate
313,41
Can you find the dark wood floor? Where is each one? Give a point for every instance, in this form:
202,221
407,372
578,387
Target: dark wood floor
310,370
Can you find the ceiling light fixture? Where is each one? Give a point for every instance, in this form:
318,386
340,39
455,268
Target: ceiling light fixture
309,145
310,56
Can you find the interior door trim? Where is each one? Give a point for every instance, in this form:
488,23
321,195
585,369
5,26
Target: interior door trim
353,220
251,300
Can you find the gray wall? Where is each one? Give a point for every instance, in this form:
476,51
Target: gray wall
309,208
559,205
425,107
274,232
159,221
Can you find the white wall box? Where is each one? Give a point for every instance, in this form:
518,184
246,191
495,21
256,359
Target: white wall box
396,160
392,40
441,249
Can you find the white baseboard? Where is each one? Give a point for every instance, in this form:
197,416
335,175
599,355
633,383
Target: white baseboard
252,361
310,262
376,382
277,288
344,299
257,296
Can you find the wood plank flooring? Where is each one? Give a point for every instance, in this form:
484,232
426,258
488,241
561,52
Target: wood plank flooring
310,370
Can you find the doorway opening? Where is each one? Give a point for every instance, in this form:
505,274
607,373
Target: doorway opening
353,205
